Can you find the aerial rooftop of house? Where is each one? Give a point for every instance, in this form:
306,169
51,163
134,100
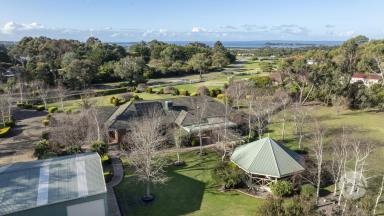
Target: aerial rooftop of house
366,76
39,183
182,111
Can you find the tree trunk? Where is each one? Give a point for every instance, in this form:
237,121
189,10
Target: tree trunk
201,75
148,189
300,140
283,131
201,141
379,196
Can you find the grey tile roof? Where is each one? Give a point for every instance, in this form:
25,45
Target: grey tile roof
183,108
37,183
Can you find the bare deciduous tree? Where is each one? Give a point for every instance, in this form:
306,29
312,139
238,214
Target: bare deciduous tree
61,94
299,116
379,195
200,107
339,102
360,151
318,140
339,156
284,99
237,91
144,140
43,92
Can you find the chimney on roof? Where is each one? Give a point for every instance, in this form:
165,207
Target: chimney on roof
168,105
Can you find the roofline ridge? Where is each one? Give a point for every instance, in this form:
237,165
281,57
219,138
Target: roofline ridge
274,156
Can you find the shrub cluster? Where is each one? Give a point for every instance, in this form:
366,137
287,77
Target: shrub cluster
228,174
184,93
52,109
4,131
39,107
282,188
214,92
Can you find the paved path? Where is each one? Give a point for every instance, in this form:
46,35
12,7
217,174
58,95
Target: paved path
118,174
19,146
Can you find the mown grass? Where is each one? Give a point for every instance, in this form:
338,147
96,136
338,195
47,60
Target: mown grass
366,125
189,191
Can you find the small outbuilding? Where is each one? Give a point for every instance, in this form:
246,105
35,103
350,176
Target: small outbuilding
63,186
266,161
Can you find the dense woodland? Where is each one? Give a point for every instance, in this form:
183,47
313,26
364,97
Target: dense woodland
77,64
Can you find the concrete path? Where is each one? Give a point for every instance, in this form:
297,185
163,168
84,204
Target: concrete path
118,174
20,144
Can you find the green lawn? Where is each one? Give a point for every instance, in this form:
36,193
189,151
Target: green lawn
189,191
367,125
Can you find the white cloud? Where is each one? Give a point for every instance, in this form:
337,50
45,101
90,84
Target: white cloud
198,29
12,27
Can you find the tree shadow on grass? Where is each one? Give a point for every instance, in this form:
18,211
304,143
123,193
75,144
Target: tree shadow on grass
180,195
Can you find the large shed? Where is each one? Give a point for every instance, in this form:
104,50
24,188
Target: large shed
266,160
62,186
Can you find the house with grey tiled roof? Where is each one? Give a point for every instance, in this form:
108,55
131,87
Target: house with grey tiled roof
177,112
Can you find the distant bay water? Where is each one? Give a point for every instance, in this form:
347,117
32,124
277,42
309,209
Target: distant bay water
254,44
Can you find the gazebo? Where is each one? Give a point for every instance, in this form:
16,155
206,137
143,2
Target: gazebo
266,161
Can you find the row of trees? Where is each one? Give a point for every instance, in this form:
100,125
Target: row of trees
325,75
78,64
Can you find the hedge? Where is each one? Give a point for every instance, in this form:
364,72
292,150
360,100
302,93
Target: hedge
111,91
4,131
39,107
52,109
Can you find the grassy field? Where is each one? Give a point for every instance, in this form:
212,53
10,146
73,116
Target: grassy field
189,191
367,125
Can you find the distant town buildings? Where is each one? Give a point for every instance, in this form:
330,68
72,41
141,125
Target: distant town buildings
367,79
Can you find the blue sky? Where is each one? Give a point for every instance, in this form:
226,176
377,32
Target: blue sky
170,20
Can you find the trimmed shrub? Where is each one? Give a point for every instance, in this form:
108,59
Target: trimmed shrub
74,149
45,122
39,107
52,109
28,106
100,147
117,102
45,135
307,191
149,90
176,92
161,91
228,175
214,92
105,159
10,123
184,93
107,176
194,94
136,97
203,90
41,149
112,100
4,131
221,96
282,188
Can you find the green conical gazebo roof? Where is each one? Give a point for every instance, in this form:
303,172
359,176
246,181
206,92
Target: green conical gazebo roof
266,157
